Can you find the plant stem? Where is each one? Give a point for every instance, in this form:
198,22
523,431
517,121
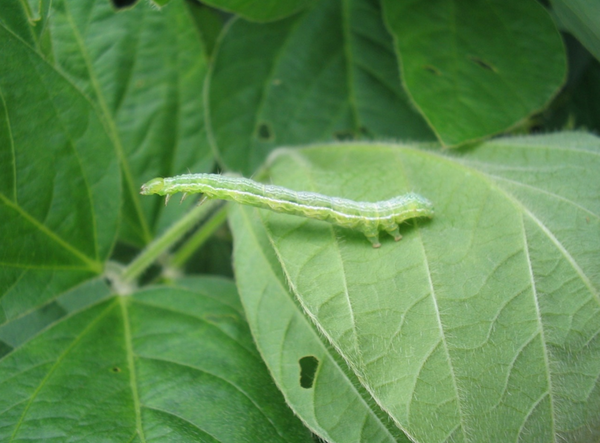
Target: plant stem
165,241
197,240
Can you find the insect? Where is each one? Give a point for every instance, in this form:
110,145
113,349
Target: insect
366,217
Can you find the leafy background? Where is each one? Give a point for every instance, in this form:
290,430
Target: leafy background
119,317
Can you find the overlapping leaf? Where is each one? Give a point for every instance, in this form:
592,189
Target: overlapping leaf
582,18
263,11
169,364
85,90
59,181
329,73
476,68
144,70
481,324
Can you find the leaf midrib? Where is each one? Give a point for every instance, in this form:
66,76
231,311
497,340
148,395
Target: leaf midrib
542,333
133,383
309,326
524,211
56,364
109,122
12,144
93,265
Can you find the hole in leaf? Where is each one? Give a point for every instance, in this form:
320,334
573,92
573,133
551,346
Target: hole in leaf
364,133
344,135
308,370
121,4
116,369
432,69
265,132
482,63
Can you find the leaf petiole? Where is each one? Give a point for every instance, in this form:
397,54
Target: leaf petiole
165,241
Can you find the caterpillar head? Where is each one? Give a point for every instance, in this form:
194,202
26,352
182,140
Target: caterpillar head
421,205
154,186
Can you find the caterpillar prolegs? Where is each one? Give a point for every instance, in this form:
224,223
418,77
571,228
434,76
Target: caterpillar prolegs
367,217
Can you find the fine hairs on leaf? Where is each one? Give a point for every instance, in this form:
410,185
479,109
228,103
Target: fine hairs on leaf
367,217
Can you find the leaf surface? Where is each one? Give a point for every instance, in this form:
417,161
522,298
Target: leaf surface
582,19
166,364
476,68
329,73
263,11
19,330
59,181
334,406
482,324
144,70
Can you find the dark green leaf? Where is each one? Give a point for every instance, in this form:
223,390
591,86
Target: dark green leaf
17,17
327,74
578,106
166,364
476,68
59,182
209,23
582,19
263,11
144,70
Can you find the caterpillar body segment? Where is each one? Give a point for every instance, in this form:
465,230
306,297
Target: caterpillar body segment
367,217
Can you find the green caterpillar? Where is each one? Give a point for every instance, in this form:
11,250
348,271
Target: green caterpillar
366,217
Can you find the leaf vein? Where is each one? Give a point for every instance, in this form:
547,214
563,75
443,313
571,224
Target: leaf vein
56,364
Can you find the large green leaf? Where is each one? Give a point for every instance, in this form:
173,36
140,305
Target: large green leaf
112,84
144,69
261,11
476,68
59,180
166,364
482,324
333,405
327,74
582,19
